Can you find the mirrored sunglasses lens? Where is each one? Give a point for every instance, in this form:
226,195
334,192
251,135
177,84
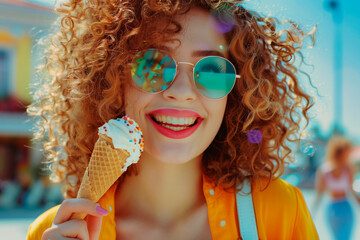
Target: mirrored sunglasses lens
153,70
214,76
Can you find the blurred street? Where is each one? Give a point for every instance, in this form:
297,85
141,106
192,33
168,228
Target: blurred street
14,223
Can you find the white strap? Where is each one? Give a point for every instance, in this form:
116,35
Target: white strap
246,215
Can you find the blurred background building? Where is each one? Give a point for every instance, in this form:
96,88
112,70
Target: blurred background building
24,189
21,181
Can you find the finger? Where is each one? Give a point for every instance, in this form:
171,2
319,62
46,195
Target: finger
94,226
44,237
70,206
73,229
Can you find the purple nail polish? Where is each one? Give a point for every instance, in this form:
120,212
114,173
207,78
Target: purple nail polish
101,210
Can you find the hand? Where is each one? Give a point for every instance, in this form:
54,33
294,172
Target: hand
66,228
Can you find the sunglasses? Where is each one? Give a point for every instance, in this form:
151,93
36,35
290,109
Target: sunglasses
154,71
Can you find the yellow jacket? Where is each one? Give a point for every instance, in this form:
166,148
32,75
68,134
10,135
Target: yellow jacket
280,210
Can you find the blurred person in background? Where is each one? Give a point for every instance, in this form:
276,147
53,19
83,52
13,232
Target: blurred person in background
335,177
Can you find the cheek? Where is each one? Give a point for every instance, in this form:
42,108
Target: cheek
129,96
216,114
218,110
134,102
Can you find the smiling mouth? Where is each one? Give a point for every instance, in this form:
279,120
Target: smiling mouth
175,123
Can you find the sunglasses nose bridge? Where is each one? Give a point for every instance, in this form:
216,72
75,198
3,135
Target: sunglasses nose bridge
192,68
189,64
182,86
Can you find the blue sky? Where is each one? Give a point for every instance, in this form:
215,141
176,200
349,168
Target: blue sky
309,13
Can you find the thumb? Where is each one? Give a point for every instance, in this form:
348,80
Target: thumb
94,226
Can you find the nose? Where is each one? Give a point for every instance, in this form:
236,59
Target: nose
183,87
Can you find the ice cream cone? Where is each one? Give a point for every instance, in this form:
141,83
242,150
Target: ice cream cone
104,159
103,170
119,145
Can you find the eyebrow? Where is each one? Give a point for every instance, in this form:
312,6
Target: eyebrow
204,53
199,53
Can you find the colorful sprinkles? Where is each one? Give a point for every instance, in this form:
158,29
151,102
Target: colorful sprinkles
126,135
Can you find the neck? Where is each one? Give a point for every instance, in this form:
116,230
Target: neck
162,192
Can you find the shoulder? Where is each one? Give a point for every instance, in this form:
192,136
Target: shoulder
275,188
43,222
278,203
279,195
277,198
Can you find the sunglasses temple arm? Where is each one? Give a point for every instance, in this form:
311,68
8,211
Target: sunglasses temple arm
238,76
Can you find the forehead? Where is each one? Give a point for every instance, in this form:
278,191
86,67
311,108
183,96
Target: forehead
198,33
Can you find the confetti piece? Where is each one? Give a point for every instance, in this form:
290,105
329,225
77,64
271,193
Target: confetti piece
254,136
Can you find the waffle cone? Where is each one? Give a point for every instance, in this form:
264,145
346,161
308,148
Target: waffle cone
103,170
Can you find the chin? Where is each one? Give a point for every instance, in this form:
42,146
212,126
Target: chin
176,156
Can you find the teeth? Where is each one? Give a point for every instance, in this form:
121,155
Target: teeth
174,128
175,120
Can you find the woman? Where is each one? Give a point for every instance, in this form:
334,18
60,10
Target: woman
205,137
336,177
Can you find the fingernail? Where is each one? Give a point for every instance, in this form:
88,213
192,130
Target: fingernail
101,210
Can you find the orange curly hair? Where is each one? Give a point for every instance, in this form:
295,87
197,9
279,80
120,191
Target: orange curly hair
87,61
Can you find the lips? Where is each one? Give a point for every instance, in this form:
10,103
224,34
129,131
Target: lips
174,123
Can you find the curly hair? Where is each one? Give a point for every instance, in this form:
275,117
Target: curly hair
85,71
